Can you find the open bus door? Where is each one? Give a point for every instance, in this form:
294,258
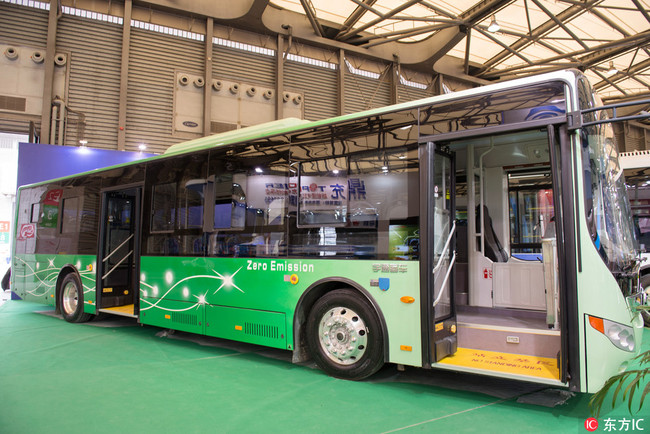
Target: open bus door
439,256
119,256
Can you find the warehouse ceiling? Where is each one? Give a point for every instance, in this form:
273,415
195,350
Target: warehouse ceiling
608,39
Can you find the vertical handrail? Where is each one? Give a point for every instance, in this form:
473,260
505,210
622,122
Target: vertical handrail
444,282
444,249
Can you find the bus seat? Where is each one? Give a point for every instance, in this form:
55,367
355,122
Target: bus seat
493,249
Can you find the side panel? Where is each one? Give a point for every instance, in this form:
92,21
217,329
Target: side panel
599,295
36,277
247,325
178,315
274,286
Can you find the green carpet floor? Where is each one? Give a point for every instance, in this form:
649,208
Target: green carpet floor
118,377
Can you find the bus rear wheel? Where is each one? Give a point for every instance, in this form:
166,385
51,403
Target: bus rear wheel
645,285
71,299
344,335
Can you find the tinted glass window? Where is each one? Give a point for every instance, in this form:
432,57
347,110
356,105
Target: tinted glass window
358,190
251,192
175,190
163,213
70,221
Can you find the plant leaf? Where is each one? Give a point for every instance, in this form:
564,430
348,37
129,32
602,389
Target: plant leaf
646,390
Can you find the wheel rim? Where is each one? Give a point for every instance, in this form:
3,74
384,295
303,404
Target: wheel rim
70,298
342,335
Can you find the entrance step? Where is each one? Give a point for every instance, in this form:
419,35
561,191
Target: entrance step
126,310
506,363
508,339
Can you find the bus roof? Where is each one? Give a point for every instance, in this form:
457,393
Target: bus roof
289,125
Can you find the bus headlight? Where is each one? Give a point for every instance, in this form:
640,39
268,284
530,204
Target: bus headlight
620,335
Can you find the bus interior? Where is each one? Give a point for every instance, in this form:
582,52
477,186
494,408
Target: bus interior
506,269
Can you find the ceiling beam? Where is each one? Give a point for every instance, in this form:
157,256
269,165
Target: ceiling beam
590,57
310,12
363,6
344,36
641,9
547,27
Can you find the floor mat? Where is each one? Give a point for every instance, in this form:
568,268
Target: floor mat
541,367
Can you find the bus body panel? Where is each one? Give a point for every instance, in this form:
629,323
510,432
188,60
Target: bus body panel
36,279
599,358
267,287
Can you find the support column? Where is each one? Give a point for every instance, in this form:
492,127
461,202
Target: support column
48,84
124,75
394,73
279,78
207,89
340,98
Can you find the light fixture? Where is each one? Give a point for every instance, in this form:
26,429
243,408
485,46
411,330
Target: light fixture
612,69
83,143
142,146
335,171
494,26
258,170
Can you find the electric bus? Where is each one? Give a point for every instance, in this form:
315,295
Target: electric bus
485,231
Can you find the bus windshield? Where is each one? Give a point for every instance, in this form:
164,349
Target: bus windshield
610,216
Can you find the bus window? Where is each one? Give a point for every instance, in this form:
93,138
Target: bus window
176,187
250,189
70,220
163,211
530,197
323,195
36,213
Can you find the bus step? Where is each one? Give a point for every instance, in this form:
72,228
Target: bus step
127,310
505,363
515,340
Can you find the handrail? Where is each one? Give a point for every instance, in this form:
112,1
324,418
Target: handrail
117,265
444,249
118,247
444,282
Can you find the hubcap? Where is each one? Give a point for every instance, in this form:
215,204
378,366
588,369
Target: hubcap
69,298
343,335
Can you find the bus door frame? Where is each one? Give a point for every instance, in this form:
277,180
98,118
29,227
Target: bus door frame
559,136
137,232
439,333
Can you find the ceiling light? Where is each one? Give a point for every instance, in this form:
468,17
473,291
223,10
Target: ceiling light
494,26
83,143
258,170
612,69
142,146
335,171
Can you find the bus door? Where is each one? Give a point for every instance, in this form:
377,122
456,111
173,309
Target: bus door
441,252
118,261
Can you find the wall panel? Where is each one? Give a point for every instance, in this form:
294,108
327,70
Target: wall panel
239,65
319,86
14,22
94,80
20,24
363,93
153,60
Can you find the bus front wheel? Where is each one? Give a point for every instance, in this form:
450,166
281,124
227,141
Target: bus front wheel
344,335
71,299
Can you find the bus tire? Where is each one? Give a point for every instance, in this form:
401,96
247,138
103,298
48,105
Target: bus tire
71,299
645,286
344,335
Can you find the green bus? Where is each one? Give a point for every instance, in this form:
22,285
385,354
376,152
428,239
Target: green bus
485,231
